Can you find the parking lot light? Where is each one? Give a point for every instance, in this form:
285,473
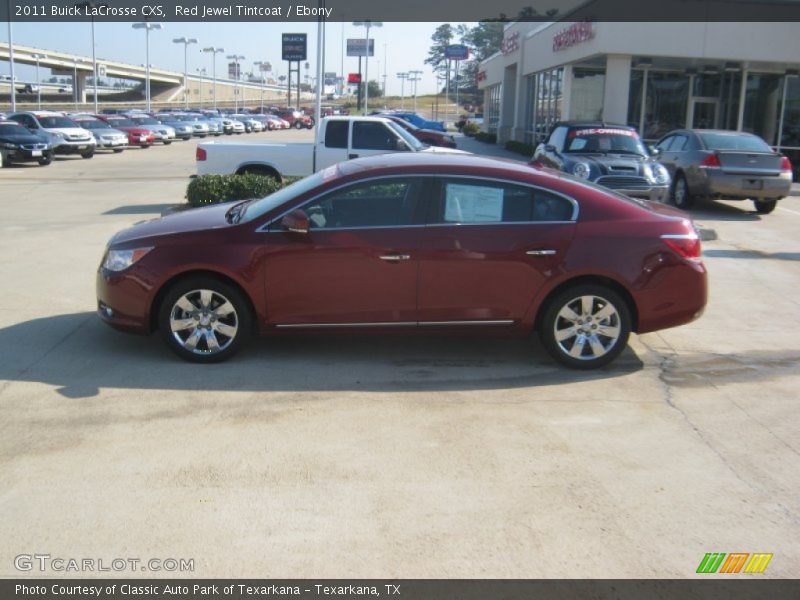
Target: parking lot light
186,43
147,27
366,25
201,74
93,4
214,52
236,58
37,57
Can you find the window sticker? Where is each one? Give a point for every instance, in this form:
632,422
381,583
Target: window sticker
604,131
473,204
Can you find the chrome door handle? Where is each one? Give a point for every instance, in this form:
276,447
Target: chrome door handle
542,252
394,257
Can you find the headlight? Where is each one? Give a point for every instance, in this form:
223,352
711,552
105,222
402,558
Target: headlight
661,175
582,170
8,146
57,135
118,260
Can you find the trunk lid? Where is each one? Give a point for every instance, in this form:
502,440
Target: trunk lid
749,163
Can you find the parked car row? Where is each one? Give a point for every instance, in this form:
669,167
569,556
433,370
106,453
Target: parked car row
685,165
39,135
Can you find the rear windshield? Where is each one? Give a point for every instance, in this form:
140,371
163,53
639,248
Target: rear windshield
53,122
146,121
604,140
734,141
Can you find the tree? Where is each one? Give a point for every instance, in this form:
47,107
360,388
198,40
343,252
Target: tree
442,37
375,90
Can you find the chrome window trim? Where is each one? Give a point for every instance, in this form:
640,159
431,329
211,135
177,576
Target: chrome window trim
575,206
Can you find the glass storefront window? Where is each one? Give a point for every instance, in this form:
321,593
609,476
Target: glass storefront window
545,103
791,114
588,87
762,105
491,113
635,98
667,99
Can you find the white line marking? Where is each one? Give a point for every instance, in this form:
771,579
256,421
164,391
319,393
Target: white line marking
794,212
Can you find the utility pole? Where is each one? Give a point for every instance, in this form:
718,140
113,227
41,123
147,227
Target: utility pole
186,43
415,79
214,51
402,77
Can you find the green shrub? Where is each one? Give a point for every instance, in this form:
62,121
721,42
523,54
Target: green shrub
213,189
470,129
519,148
489,138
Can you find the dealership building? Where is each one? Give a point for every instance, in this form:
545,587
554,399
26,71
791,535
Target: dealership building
655,76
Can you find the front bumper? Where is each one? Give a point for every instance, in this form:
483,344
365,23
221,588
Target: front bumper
122,302
717,184
25,155
656,193
70,147
112,143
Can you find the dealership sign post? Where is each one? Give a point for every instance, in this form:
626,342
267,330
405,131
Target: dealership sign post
456,52
358,47
294,49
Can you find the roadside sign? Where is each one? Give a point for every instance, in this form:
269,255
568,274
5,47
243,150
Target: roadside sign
355,47
294,46
456,52
354,78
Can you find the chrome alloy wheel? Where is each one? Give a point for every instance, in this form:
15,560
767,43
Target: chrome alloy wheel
587,327
204,322
680,192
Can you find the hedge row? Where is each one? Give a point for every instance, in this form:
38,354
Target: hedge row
489,138
213,189
520,148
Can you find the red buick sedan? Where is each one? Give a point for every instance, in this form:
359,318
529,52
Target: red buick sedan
435,243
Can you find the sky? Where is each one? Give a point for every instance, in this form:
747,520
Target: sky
406,46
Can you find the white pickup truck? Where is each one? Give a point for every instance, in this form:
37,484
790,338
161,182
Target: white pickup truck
338,139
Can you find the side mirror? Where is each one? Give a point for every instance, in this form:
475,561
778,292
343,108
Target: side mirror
296,221
654,151
400,145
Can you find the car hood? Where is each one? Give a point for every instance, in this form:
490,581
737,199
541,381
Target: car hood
197,219
23,138
70,132
107,132
613,164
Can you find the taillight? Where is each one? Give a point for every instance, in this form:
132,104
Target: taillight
685,245
200,154
786,164
710,162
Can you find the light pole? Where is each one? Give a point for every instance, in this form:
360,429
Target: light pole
75,81
263,67
11,62
94,5
402,77
235,58
201,74
37,58
186,43
415,79
366,25
147,27
385,68
214,51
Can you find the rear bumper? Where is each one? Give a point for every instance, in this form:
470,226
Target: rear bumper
716,183
679,297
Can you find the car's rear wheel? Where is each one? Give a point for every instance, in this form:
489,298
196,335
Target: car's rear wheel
88,154
586,326
167,142
118,150
680,194
204,320
764,207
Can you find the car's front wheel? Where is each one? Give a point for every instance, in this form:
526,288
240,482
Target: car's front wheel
586,326
46,159
204,320
764,207
87,154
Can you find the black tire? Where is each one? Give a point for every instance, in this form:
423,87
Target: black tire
679,193
88,154
298,125
588,331
46,159
240,319
144,146
118,150
764,207
167,142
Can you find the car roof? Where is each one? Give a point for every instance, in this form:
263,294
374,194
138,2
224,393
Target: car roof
601,124
444,162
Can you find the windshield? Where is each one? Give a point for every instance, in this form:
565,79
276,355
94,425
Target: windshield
146,121
409,139
275,199
11,127
94,125
53,122
734,141
604,141
121,123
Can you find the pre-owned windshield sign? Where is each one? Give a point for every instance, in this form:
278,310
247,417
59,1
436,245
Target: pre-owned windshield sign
577,132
